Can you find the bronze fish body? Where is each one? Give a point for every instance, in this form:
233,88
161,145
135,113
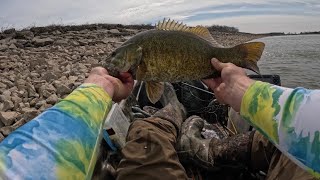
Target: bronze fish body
174,52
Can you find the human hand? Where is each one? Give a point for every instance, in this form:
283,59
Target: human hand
118,88
231,86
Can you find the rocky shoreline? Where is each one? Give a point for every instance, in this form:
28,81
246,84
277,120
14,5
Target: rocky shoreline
41,65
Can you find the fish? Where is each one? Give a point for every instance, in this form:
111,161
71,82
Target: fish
174,52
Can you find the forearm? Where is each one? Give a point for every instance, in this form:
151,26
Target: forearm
287,117
60,143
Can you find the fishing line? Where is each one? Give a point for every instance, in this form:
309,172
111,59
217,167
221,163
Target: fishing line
197,88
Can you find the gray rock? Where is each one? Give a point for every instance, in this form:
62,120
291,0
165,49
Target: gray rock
52,99
7,94
46,94
18,124
8,118
2,85
22,105
114,31
82,42
6,130
63,89
29,113
40,103
38,42
1,137
7,105
46,90
12,46
20,83
49,77
7,82
61,42
44,107
33,102
34,75
31,90
3,47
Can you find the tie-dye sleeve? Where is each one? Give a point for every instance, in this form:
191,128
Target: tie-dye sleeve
62,142
289,118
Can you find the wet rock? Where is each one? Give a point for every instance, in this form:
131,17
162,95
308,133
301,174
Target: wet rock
6,130
8,118
38,42
7,105
52,99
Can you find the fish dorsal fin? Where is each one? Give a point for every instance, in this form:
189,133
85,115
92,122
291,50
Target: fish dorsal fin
203,32
171,26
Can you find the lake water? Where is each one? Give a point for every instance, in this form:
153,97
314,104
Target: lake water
295,58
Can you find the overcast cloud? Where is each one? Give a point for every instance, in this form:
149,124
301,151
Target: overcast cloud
249,16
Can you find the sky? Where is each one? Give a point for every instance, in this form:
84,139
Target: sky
254,16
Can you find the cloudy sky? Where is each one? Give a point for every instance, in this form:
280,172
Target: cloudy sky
255,16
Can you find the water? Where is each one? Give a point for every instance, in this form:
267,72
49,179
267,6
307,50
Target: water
295,58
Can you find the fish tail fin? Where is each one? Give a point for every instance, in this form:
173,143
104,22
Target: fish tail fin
251,52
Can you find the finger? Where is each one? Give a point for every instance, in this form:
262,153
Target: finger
217,64
99,71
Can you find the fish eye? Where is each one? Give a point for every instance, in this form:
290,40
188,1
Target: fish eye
113,54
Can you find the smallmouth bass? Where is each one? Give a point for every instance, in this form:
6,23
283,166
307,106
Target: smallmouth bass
174,52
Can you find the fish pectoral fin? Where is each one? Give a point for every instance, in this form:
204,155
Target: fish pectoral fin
200,31
251,54
154,90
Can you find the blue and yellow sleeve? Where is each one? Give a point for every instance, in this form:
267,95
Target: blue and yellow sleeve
62,142
289,118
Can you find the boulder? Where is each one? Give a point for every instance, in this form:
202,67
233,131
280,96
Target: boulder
18,124
6,130
8,118
29,113
52,99
7,105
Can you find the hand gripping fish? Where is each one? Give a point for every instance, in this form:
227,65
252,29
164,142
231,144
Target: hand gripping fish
174,52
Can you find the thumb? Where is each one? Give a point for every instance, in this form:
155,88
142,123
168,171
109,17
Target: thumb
217,64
